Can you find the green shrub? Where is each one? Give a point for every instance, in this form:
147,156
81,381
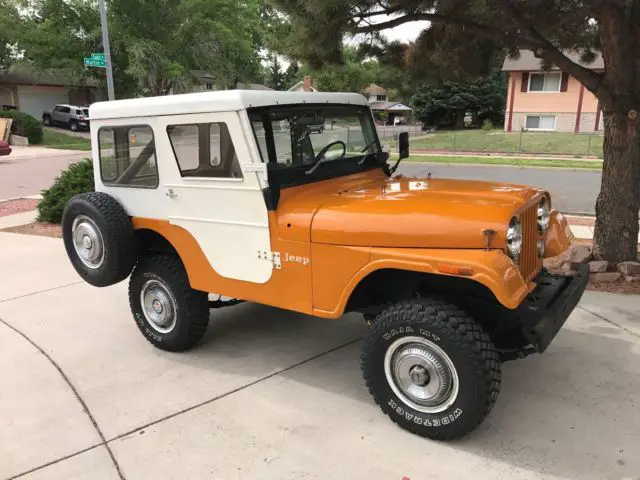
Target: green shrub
487,125
78,178
24,125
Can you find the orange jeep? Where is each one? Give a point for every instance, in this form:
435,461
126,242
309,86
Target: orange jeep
288,199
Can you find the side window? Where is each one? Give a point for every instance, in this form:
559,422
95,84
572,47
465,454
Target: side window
65,110
128,156
204,150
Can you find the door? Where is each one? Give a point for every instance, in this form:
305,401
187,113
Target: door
35,100
61,114
213,193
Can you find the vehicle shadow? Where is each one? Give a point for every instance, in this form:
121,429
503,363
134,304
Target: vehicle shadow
571,412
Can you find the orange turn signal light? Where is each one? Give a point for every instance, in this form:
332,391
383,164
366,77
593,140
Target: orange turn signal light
461,270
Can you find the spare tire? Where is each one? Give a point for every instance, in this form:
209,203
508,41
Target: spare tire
99,238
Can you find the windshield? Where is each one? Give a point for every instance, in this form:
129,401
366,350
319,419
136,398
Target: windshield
294,138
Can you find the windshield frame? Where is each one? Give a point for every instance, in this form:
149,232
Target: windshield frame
293,175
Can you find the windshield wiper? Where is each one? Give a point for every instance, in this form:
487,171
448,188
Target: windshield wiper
320,158
368,155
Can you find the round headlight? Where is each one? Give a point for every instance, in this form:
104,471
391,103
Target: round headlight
514,238
544,214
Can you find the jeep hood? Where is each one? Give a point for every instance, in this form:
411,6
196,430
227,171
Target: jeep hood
420,213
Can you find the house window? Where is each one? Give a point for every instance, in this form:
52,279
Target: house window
540,122
209,86
381,98
545,82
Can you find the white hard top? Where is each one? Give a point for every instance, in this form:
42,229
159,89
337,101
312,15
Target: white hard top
216,101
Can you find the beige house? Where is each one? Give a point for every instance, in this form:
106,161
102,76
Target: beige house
551,100
305,85
33,92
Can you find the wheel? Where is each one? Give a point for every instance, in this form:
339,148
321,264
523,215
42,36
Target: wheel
431,368
99,238
169,313
73,125
46,120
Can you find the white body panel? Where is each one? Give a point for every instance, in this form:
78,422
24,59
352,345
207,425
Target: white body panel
227,216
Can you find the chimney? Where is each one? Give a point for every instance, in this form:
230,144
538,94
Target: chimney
308,83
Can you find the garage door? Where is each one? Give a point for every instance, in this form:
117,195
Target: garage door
34,101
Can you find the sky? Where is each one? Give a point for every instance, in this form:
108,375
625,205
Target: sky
407,32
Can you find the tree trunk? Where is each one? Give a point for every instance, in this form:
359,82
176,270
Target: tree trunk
618,204
460,119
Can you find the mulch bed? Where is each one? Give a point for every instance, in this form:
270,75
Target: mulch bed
37,228
17,206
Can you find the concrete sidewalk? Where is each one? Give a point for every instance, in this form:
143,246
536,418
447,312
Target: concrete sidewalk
271,394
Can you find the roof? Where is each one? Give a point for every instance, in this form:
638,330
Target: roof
252,86
214,101
529,63
301,84
390,106
26,75
374,89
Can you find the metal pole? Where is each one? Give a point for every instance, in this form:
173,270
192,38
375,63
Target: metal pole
107,49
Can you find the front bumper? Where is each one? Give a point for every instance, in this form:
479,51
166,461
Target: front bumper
545,310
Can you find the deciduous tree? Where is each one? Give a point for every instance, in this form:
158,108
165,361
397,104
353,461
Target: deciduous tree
466,35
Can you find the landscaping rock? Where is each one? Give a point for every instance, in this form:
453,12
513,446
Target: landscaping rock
580,253
598,266
18,141
608,277
629,268
632,279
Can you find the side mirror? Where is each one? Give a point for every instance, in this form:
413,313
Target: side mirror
403,145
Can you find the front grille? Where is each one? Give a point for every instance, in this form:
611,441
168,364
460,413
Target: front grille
530,262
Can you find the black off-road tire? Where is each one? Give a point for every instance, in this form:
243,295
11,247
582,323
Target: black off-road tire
465,343
46,120
73,126
116,232
191,306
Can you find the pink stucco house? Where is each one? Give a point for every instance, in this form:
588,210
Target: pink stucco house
549,100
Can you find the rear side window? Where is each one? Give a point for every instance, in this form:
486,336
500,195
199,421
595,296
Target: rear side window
204,150
128,156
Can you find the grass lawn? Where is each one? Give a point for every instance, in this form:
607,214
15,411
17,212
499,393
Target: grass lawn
519,142
516,162
64,141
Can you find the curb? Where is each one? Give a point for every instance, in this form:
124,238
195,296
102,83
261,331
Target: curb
585,169
26,197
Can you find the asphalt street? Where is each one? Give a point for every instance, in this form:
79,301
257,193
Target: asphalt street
572,191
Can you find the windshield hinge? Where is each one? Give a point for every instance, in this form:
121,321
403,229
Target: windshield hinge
273,257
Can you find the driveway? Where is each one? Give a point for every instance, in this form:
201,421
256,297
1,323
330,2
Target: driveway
271,394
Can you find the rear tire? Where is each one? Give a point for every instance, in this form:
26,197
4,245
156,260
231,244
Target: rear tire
170,314
431,368
46,120
99,238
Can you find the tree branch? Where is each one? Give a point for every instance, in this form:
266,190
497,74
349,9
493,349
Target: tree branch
548,51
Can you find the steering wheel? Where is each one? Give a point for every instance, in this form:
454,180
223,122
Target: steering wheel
317,160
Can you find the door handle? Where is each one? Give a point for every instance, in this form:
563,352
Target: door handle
171,193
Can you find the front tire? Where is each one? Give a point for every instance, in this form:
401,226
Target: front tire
170,314
431,368
73,125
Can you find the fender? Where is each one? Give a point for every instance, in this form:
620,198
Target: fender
491,268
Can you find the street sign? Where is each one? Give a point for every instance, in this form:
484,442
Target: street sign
95,62
98,56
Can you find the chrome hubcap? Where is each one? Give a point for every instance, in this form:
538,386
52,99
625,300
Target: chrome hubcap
88,242
158,306
421,374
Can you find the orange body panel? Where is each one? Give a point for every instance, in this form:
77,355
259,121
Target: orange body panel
559,235
348,227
